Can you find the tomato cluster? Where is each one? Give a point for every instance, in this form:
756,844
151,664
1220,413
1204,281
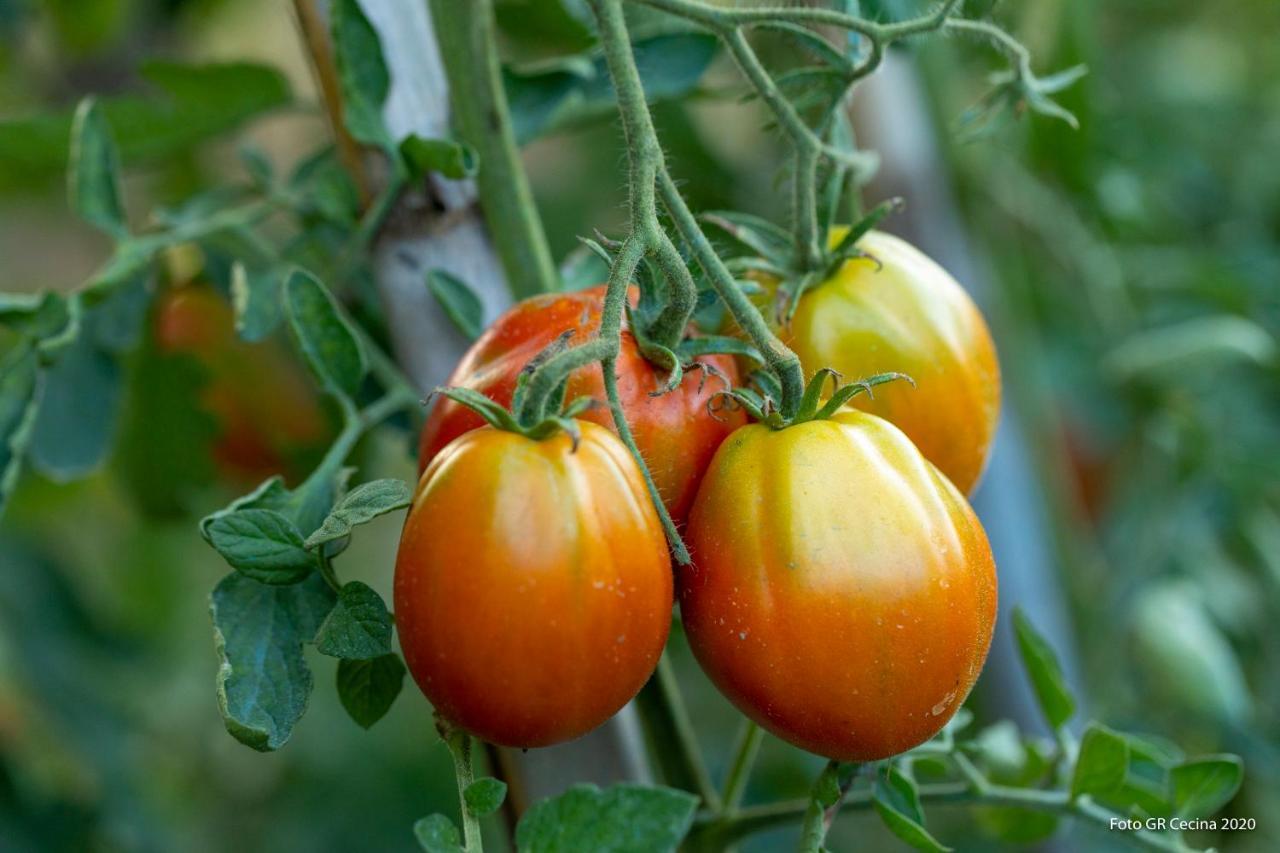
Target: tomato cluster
842,592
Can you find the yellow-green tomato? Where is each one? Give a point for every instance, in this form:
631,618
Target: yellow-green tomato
842,593
907,314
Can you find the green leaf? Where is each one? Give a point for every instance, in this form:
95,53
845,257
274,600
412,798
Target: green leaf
19,399
897,801
1204,785
35,315
93,177
367,688
269,494
449,157
118,319
78,411
484,796
184,104
1041,664
437,834
459,302
263,544
362,74
619,819
358,627
1203,343
364,503
1102,763
255,294
263,682
325,337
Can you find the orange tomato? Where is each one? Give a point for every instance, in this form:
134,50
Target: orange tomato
843,593
533,588
676,434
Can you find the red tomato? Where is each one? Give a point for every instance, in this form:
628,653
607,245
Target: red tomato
908,315
533,589
676,434
843,593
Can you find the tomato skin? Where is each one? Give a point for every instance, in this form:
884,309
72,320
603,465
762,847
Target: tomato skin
842,593
912,317
533,588
269,414
675,433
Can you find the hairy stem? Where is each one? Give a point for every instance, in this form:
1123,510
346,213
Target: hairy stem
459,743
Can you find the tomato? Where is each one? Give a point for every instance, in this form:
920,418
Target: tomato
267,410
533,588
842,592
676,434
908,315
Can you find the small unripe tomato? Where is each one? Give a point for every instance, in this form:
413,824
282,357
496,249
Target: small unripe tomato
901,312
533,587
675,432
842,592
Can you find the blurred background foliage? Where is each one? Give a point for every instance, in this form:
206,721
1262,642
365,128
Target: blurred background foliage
1135,270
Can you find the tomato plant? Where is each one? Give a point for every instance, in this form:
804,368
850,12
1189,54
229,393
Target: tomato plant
676,431
843,593
561,551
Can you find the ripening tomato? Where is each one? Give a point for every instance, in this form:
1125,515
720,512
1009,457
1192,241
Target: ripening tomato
842,592
533,588
910,316
676,434
268,413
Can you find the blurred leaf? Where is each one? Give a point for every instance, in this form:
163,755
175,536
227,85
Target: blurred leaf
78,412
93,179
1017,826
619,819
755,234
358,627
262,544
582,268
1102,763
263,681
484,796
256,297
437,834
362,74
1041,665
367,688
362,504
1204,342
19,399
897,801
326,338
448,157
36,315
194,102
118,318
459,302
1203,786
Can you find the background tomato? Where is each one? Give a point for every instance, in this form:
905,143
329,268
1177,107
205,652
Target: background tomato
533,590
908,315
843,593
676,434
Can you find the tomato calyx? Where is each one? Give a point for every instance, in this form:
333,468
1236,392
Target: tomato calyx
501,418
762,404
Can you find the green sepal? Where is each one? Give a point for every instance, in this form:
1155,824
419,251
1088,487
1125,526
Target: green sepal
847,392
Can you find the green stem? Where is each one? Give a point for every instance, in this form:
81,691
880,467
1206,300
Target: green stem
664,716
814,829
459,743
744,757
466,34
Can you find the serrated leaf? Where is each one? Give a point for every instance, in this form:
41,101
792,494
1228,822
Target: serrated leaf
368,688
262,544
437,834
1041,665
263,682
78,411
362,73
619,819
19,399
485,796
364,503
269,494
255,295
93,174
459,302
1102,763
1204,785
897,801
449,157
358,627
326,339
